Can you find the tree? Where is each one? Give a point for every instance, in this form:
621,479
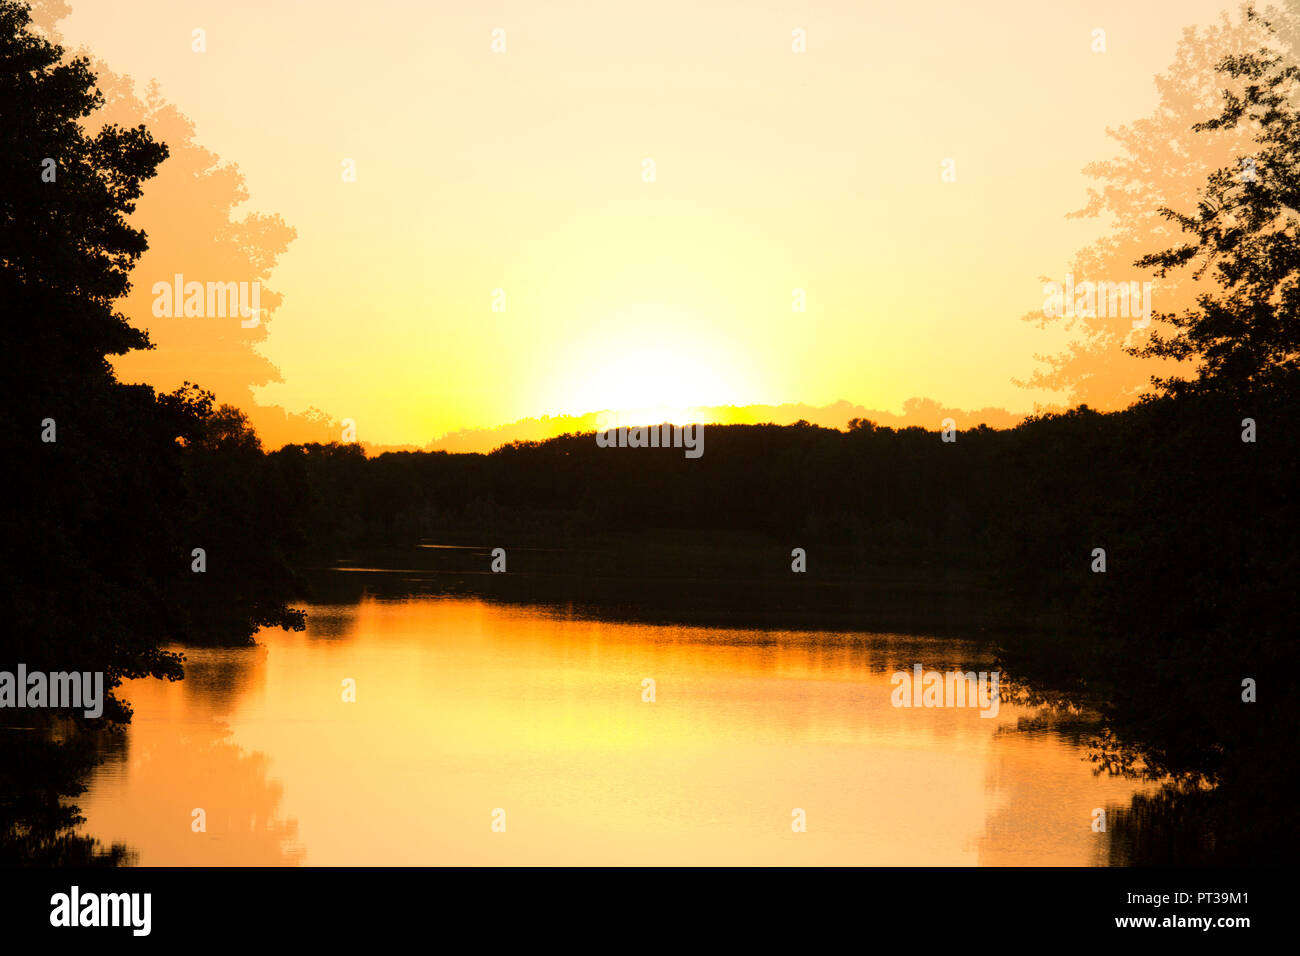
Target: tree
106,510
1245,232
193,214
66,248
1164,162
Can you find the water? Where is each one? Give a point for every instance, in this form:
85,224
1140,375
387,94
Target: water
464,708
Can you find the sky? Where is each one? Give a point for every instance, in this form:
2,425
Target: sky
524,171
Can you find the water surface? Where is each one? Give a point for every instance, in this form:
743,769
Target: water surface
464,708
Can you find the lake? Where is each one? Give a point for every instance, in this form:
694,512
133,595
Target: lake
493,733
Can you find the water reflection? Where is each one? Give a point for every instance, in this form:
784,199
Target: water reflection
181,754
464,706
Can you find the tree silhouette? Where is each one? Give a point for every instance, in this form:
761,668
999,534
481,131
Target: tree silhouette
114,486
1245,335
66,246
1164,162
192,214
66,250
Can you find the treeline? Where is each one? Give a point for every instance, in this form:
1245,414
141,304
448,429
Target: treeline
1193,520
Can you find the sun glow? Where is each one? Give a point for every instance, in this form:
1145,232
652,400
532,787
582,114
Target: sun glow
656,367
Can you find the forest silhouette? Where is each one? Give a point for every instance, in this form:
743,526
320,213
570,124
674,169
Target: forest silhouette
994,534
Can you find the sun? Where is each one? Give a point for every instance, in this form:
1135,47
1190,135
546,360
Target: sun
652,364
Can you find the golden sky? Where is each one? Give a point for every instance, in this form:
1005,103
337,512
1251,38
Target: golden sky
774,170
